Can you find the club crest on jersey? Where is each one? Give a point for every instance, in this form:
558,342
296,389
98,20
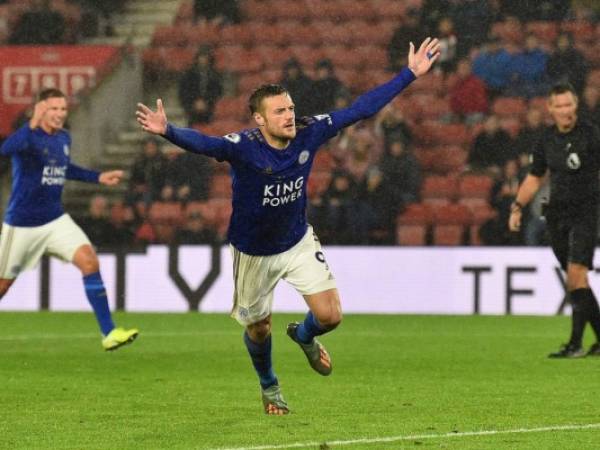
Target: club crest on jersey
233,137
573,161
304,154
66,149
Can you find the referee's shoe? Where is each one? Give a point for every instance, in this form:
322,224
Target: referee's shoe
568,351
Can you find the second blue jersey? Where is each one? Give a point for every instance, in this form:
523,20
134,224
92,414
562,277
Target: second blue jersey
270,185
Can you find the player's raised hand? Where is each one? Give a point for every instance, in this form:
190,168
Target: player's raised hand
39,110
111,177
154,122
421,61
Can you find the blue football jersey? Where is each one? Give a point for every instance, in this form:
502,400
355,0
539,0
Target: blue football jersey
40,164
269,184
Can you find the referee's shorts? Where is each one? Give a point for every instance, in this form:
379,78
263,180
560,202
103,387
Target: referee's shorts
573,238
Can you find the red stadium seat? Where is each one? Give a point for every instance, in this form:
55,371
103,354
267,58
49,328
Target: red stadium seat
581,30
164,218
318,182
412,225
178,59
220,186
450,224
512,125
236,35
390,10
231,108
593,78
438,190
435,133
480,215
475,186
509,107
371,56
449,159
170,36
204,34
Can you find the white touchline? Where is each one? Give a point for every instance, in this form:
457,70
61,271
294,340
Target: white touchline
417,436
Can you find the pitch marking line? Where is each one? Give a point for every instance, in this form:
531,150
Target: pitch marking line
418,437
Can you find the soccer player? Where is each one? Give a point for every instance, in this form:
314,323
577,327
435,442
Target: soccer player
269,237
570,151
35,223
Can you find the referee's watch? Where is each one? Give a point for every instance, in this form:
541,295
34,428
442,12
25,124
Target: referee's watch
516,207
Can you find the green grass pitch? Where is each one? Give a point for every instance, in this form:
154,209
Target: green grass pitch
398,382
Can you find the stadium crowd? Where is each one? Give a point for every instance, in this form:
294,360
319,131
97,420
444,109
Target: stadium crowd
439,166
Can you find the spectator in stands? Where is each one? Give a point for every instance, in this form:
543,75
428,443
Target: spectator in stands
187,176
40,25
494,65
147,173
196,231
97,224
448,44
468,95
530,133
390,124
345,224
218,12
410,30
401,178
97,17
589,107
567,64
326,88
529,79
432,11
299,85
123,220
492,148
378,207
553,10
200,87
504,191
472,20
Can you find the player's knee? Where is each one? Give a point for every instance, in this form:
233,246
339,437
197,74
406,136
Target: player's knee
259,331
86,260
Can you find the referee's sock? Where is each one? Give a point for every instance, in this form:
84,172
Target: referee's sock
96,295
580,315
260,354
593,311
310,328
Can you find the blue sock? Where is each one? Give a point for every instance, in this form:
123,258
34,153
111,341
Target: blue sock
260,353
96,294
310,328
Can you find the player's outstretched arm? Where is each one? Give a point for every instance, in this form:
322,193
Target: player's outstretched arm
154,122
110,177
370,103
420,62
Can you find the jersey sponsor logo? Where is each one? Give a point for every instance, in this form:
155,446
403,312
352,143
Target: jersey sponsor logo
573,161
54,175
282,193
66,149
233,137
324,117
304,154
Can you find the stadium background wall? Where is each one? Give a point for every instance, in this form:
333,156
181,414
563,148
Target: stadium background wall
371,280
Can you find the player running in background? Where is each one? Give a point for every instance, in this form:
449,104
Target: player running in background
269,236
35,223
569,151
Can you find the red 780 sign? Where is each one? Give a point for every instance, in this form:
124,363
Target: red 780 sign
20,83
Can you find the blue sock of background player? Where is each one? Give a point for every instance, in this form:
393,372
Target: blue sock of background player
310,328
260,353
96,294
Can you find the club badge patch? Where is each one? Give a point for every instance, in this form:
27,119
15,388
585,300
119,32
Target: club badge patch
573,161
304,154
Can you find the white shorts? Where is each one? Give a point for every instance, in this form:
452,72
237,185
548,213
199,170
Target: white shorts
255,277
21,248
